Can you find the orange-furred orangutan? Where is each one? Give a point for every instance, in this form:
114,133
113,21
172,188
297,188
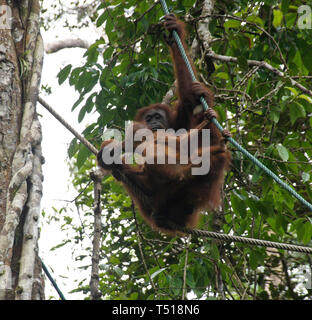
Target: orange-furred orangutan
176,195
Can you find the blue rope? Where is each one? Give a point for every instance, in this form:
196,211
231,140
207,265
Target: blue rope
217,124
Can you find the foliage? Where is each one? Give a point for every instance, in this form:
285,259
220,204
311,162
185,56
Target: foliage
130,67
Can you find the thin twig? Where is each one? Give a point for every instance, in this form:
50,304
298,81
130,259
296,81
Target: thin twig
184,291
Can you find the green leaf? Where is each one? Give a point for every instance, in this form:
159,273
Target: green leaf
305,97
238,206
277,18
176,284
82,156
272,222
242,62
256,20
80,99
305,176
281,221
107,55
82,113
300,229
212,25
108,116
274,116
285,6
114,260
215,252
156,273
252,203
188,3
87,107
232,24
307,61
73,147
63,74
190,279
110,31
118,271
60,245
293,90
74,76
296,111
255,259
291,19
304,47
307,233
222,75
92,53
283,152
102,18
87,81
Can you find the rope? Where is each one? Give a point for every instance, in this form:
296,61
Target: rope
118,174
146,204
68,126
217,124
146,200
245,240
46,271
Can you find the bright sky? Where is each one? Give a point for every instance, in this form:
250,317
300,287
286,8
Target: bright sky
56,185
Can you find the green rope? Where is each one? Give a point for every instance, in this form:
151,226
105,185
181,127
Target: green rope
46,271
217,124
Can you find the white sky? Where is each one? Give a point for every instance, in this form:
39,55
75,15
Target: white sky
56,185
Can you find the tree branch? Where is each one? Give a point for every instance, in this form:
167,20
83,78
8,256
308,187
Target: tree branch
58,45
261,64
94,281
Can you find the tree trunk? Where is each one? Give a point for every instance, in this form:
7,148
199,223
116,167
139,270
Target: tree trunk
21,55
